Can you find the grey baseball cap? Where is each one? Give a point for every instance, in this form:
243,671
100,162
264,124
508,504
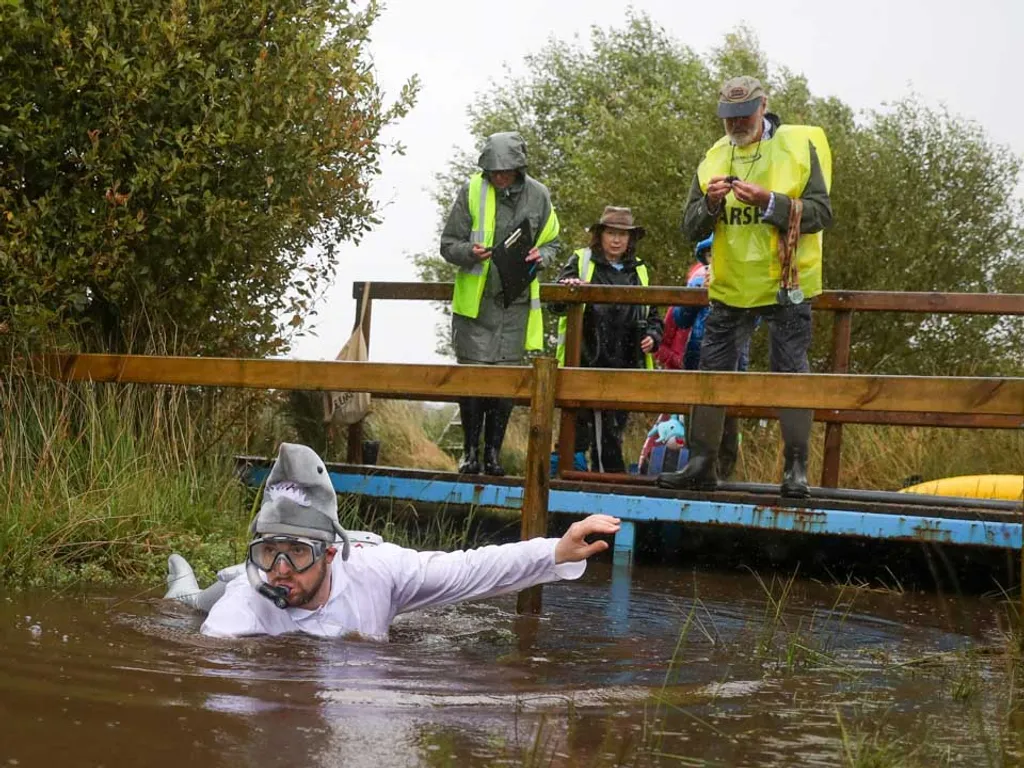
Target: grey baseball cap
740,96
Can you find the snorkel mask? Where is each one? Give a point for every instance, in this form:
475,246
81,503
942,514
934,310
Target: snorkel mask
300,553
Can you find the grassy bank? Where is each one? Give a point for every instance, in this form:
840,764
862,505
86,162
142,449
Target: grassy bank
100,482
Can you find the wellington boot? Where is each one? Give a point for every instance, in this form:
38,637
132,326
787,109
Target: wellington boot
729,450
492,463
796,433
794,474
471,413
701,471
495,424
470,464
699,474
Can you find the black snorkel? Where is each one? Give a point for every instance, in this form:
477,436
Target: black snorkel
277,595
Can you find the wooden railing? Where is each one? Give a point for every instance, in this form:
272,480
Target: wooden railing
546,387
841,303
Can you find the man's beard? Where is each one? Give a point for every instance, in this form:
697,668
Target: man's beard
300,597
742,138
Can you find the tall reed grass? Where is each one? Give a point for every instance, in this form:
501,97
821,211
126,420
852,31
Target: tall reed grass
100,482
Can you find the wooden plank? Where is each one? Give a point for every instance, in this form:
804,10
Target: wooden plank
538,463
581,387
354,448
939,303
406,381
659,295
665,390
567,423
842,323
398,291
894,418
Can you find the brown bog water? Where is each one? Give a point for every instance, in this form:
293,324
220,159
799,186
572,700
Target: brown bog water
654,667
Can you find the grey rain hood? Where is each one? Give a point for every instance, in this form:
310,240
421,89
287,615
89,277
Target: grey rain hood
503,152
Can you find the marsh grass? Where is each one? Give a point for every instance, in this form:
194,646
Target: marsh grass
100,482
873,457
97,481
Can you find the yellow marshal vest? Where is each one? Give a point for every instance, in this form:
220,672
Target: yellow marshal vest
585,269
745,267
469,283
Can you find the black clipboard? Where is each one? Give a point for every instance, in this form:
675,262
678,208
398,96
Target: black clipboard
509,257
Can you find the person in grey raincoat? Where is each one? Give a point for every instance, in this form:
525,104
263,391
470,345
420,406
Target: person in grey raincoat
488,208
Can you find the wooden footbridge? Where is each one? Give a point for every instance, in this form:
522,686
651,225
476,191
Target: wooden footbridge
551,394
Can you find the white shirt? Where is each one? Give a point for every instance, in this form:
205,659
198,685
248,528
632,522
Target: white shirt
377,583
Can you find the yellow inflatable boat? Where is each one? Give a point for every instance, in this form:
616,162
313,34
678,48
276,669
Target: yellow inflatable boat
1003,487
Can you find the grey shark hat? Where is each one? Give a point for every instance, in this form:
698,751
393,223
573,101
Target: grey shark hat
299,500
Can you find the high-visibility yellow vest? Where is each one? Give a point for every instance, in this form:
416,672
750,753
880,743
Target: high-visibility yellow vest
745,270
585,269
469,283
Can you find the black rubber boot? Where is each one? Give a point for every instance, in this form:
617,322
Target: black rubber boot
729,449
794,474
495,423
471,412
701,471
795,424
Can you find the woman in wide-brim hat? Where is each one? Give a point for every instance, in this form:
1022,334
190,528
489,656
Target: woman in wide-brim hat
614,335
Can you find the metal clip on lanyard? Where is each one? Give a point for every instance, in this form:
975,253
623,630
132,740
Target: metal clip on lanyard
789,278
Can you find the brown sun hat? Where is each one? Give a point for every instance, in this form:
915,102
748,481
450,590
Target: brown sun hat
619,218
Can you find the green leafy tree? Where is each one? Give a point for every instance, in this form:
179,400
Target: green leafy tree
183,169
922,199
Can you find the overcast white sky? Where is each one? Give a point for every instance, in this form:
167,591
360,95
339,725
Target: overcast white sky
964,54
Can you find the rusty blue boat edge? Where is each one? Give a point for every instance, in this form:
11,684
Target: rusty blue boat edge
638,509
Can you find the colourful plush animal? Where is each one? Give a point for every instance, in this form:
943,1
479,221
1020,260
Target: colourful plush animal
669,432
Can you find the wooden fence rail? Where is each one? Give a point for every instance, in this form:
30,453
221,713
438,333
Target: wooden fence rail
546,387
574,387
841,303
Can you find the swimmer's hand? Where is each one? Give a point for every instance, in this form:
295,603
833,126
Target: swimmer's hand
573,546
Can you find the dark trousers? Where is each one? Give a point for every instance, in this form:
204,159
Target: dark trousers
600,432
727,332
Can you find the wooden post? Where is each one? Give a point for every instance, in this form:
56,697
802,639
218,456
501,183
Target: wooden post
567,425
841,326
538,463
354,454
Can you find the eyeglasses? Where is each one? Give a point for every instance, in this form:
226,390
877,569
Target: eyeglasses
300,554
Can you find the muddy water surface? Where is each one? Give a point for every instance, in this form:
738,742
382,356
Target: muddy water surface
699,668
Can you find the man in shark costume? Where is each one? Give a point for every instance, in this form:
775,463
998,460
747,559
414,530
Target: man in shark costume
294,581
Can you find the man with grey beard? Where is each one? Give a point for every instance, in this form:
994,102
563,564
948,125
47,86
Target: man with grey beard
763,190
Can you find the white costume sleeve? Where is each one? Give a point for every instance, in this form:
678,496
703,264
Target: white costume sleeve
439,578
233,614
